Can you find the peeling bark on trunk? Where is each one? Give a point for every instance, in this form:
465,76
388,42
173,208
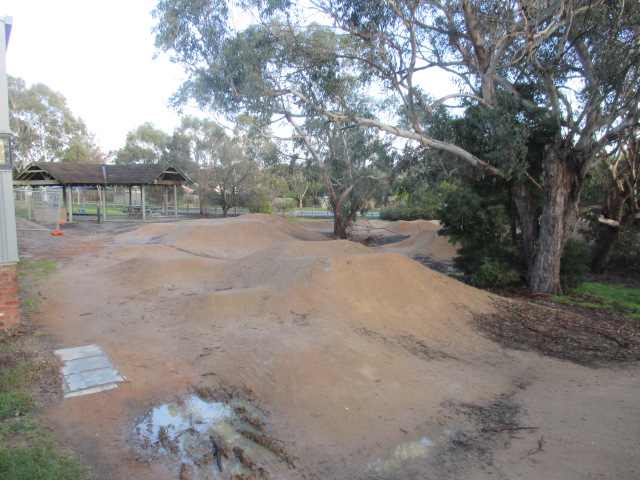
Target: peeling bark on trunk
339,223
528,215
558,219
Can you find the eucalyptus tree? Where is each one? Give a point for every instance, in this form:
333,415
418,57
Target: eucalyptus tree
44,128
300,184
248,57
81,148
220,167
353,164
144,144
572,65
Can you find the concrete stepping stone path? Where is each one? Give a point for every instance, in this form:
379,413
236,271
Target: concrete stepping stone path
87,370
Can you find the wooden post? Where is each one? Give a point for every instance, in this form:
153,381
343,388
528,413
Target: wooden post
130,188
165,203
99,188
143,203
104,204
175,201
69,202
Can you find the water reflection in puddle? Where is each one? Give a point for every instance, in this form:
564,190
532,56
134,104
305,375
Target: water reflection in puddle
403,452
185,436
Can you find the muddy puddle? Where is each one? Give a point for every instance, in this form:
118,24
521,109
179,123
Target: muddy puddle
225,436
204,439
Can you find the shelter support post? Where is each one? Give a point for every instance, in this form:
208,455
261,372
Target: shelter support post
175,201
69,202
130,188
29,209
104,205
143,202
165,203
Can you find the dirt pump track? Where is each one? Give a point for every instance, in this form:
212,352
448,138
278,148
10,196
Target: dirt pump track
352,352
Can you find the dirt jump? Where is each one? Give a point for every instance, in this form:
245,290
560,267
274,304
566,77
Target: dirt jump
256,348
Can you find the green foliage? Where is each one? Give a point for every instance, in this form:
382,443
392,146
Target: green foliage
264,206
479,222
44,128
574,263
284,206
402,211
495,273
258,202
145,144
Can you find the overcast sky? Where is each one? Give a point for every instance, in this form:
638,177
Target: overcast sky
99,55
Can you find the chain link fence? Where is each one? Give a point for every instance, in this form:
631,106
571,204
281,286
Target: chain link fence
44,207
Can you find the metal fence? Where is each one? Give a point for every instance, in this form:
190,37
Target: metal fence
44,207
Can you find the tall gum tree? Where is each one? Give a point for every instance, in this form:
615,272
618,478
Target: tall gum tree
574,63
45,129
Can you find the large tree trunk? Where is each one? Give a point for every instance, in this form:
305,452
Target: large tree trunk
340,223
608,234
607,237
561,191
529,217
202,203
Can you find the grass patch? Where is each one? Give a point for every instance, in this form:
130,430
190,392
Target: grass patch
28,447
47,267
15,404
615,298
40,459
27,266
30,306
18,376
92,209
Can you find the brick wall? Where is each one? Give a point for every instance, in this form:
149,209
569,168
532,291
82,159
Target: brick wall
9,302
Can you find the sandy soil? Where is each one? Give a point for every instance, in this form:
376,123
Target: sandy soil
367,364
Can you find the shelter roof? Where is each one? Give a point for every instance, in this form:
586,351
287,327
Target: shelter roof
71,174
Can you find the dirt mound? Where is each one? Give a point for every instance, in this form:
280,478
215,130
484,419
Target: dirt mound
426,243
148,269
222,238
404,227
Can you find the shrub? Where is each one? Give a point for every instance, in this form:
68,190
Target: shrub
480,223
262,206
574,263
401,211
494,273
285,206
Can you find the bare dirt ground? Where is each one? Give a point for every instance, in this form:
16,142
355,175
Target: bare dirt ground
363,363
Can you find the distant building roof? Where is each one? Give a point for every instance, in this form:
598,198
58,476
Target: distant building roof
75,174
